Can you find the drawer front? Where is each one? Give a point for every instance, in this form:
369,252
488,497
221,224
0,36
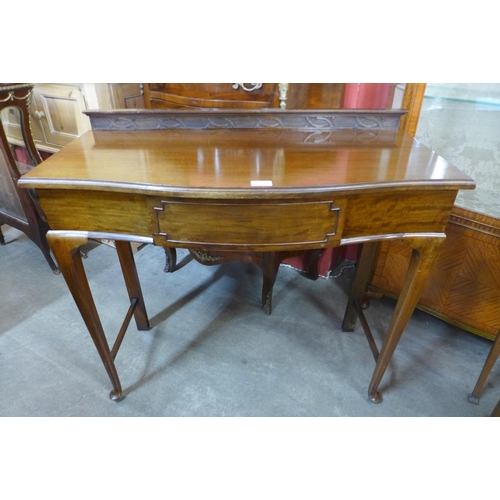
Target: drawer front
246,226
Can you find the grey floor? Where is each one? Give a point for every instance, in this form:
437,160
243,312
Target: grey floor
212,351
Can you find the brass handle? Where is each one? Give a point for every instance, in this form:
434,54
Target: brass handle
253,86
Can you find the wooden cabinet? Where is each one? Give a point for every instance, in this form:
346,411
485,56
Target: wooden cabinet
244,95
211,95
57,115
19,208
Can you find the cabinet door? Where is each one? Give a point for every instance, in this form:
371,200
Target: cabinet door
57,111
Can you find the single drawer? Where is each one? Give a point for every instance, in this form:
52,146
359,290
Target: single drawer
247,225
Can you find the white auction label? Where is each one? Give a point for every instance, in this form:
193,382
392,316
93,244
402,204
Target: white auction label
261,183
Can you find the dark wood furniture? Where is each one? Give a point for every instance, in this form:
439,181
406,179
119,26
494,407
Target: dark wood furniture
245,96
19,208
211,95
247,181
220,95
252,96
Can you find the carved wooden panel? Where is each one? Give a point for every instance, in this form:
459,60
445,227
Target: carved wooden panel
320,120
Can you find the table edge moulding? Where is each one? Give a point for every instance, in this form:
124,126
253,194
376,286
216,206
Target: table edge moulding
325,178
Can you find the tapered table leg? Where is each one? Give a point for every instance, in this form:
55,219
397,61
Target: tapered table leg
424,255
65,246
488,365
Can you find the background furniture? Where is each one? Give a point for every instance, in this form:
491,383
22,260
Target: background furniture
19,208
56,111
210,95
244,95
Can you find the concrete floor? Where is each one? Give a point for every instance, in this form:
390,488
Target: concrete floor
213,352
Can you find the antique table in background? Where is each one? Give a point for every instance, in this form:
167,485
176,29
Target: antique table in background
246,181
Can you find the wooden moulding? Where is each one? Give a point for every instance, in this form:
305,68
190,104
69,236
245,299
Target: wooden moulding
464,286
154,119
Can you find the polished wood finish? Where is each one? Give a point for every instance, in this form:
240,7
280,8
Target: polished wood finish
210,95
19,208
463,288
297,96
320,125
225,95
67,251
352,186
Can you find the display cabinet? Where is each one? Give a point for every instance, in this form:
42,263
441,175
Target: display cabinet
19,208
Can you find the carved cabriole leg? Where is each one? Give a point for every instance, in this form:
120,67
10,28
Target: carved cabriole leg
363,274
66,248
425,253
134,290
488,365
